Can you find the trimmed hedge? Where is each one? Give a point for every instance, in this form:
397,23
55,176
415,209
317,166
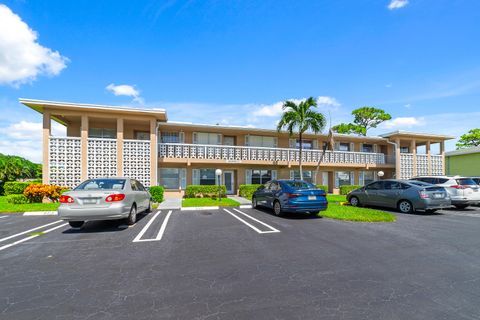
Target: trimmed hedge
17,199
157,193
201,191
247,190
15,187
344,190
322,187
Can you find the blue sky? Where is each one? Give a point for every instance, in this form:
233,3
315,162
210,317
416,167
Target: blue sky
233,62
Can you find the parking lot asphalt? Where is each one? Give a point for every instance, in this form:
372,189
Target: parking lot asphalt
241,264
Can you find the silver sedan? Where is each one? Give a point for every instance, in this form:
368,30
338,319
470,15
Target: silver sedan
406,196
104,199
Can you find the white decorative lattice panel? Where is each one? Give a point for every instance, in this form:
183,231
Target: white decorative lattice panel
422,164
136,160
64,161
406,166
102,158
437,165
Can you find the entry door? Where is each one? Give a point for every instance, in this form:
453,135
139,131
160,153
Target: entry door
229,181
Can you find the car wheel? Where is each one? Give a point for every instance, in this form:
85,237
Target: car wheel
254,202
76,224
277,208
461,206
149,209
354,202
132,217
405,206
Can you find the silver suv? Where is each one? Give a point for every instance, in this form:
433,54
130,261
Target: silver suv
462,190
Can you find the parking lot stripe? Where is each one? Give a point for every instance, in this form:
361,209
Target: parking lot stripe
249,224
142,232
261,222
3,217
33,229
31,237
164,226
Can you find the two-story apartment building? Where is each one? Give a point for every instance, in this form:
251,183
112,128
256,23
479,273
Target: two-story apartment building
104,141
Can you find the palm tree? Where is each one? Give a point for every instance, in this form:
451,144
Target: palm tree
299,118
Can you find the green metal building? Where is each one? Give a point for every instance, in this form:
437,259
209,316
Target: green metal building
464,162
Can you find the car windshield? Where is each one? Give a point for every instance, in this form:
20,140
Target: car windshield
299,184
466,182
102,184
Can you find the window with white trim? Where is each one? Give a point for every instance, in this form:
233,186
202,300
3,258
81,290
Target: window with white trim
170,137
344,178
172,178
259,176
261,141
366,177
308,175
207,138
366,147
104,133
343,146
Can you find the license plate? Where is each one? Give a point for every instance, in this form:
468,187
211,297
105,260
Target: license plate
312,198
438,195
89,201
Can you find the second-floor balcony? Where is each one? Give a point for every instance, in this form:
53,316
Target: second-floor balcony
238,154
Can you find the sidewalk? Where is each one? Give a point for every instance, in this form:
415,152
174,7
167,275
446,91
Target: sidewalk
171,203
242,200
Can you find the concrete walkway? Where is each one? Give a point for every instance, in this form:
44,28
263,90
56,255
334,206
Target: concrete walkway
242,200
171,203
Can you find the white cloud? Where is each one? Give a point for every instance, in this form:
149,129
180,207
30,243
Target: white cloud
397,4
125,90
275,110
24,138
403,122
22,58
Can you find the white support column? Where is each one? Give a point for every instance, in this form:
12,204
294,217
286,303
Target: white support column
398,172
120,130
47,130
429,158
442,153
153,152
413,150
84,147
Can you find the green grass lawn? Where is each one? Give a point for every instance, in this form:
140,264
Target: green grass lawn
8,207
348,213
336,198
208,202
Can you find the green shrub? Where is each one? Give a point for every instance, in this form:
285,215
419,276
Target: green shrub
344,190
322,187
17,199
247,190
157,193
199,191
15,187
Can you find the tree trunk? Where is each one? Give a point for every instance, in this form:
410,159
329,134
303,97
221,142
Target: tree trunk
301,155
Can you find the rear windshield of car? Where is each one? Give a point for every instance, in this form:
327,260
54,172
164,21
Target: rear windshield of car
299,184
102,184
466,182
419,183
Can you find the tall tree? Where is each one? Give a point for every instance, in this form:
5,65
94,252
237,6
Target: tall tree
364,119
300,118
469,139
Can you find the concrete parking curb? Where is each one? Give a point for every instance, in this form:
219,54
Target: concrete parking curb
40,213
199,208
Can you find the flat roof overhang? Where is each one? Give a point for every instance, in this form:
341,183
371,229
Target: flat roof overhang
58,108
416,135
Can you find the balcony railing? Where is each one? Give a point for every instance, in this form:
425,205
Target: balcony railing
241,153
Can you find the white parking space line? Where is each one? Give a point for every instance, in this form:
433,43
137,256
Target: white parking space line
272,229
32,236
33,229
3,217
159,236
261,222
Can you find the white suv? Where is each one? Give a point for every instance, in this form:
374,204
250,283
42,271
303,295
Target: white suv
462,190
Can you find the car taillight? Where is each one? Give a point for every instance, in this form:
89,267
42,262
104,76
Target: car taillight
458,187
424,195
66,199
293,195
115,197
